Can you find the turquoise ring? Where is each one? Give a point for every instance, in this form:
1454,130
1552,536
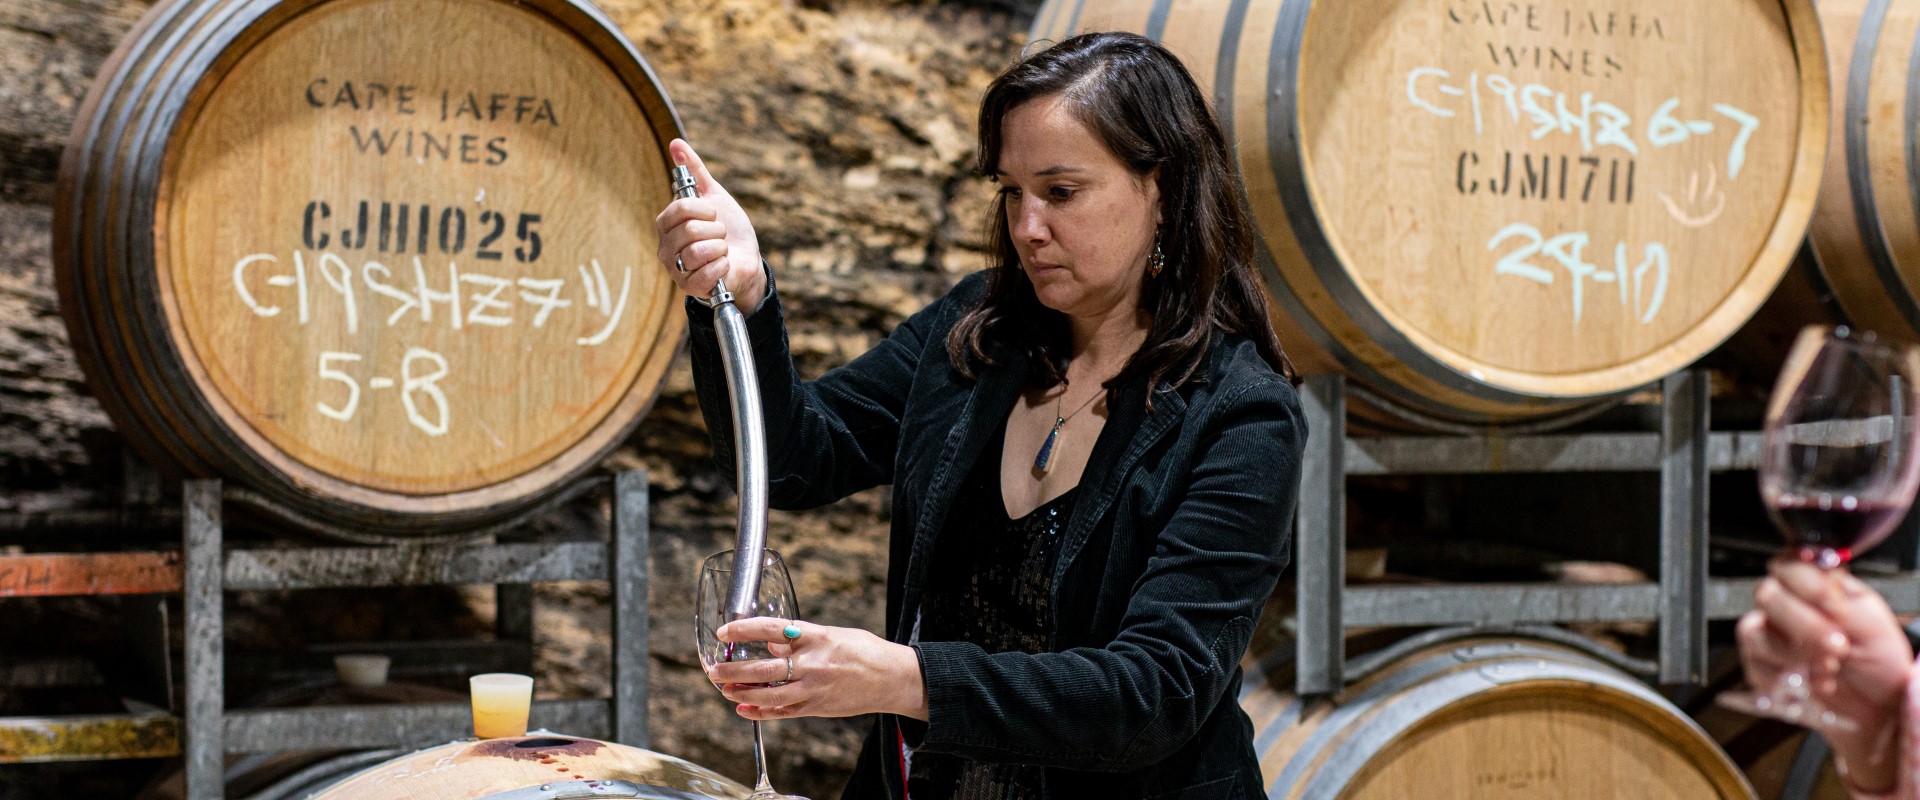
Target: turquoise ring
792,632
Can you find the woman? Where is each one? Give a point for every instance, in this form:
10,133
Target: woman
1094,447
1842,639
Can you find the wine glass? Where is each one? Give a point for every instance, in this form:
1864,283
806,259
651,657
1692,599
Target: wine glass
710,612
1838,471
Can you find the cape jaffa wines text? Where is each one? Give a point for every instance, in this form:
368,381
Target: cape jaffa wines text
444,105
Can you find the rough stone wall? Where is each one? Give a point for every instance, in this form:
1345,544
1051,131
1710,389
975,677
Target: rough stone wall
845,126
49,52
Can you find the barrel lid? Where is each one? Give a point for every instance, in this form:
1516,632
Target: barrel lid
1483,212
1550,201
540,766
404,242
388,262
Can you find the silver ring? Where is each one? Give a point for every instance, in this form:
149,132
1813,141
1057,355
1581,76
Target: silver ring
677,264
789,669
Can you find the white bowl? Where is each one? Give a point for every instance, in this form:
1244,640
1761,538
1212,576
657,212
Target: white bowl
362,671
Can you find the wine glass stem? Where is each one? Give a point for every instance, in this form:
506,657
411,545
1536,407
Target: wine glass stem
760,761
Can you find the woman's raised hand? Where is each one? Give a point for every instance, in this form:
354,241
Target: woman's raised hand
836,672
711,238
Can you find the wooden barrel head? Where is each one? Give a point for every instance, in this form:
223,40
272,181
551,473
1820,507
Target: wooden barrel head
1866,228
1480,717
387,261
476,769
1490,211
1547,201
1556,739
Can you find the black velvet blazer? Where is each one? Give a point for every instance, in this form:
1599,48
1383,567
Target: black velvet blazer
1179,534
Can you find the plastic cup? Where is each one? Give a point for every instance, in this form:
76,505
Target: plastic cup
500,704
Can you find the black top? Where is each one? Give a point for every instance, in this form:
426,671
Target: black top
1178,535
990,583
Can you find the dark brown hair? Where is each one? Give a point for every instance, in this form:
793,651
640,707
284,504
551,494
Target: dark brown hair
1138,99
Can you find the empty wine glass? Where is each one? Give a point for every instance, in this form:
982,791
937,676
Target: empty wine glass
1838,472
776,599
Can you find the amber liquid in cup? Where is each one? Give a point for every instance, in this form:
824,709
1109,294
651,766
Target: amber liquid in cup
500,704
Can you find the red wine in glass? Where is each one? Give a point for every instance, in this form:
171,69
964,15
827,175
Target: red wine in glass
1835,528
1838,465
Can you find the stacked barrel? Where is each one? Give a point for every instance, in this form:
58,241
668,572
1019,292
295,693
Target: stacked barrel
382,266
1866,229
1481,717
383,262
1490,212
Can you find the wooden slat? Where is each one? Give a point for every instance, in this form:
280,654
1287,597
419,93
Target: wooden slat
1589,452
63,574
47,672
394,726
1729,598
1500,604
345,567
25,740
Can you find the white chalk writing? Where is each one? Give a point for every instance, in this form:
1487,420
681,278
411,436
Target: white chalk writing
1642,288
1595,123
466,299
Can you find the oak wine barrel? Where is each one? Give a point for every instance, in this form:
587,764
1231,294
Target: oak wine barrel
469,770
1866,227
1490,212
383,262
1477,718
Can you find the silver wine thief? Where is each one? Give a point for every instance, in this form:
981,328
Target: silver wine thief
749,434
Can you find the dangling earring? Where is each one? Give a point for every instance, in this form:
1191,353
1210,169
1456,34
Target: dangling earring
1157,261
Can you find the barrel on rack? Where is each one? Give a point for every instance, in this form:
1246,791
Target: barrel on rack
540,765
1485,212
384,262
1866,227
1476,718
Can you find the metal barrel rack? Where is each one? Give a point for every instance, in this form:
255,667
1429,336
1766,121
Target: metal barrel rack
204,569
1685,452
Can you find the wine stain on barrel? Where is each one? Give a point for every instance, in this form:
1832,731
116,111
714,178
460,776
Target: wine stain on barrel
541,749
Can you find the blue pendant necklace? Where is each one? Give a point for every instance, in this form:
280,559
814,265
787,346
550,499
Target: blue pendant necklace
1043,461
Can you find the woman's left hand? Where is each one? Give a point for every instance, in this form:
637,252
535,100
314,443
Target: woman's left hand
837,672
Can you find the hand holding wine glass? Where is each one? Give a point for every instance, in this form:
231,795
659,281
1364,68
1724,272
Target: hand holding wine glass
776,599
1859,654
1838,472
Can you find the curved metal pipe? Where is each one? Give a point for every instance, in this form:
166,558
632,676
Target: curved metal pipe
749,435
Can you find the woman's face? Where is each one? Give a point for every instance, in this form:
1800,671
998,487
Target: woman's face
1082,222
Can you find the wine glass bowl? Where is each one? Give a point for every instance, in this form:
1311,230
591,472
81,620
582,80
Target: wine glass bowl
1838,468
776,599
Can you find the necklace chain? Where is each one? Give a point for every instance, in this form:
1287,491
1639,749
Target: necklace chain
1057,403
1043,460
